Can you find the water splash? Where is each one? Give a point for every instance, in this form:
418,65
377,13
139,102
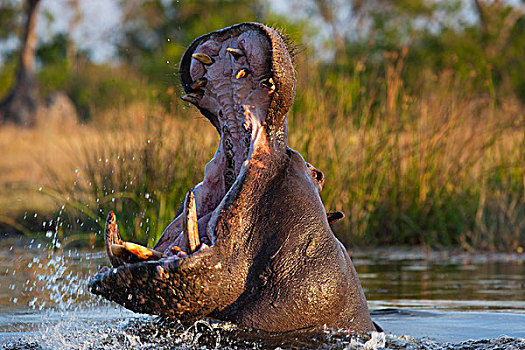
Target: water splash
55,310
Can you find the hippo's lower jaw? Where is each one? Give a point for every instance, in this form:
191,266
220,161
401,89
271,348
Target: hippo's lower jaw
180,281
251,244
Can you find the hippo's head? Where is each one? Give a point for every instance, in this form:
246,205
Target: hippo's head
248,65
251,243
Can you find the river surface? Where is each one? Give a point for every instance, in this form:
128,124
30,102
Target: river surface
422,299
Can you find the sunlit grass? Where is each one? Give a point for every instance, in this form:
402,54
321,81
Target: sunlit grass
440,166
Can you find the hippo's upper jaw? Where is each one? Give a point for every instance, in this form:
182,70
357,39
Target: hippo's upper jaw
251,243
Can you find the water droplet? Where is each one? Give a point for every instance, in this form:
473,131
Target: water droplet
169,39
40,188
146,195
168,62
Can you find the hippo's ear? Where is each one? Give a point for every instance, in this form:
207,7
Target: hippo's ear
334,216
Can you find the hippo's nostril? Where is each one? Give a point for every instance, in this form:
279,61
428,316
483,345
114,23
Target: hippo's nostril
268,83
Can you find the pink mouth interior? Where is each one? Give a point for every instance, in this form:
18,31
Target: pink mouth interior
234,88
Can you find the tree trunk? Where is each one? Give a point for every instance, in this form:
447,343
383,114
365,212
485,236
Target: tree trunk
21,104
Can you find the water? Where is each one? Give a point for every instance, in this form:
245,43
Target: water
423,300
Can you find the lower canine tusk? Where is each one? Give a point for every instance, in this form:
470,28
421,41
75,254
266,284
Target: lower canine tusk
142,253
190,224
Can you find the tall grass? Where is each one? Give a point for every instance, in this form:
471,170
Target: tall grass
139,167
440,166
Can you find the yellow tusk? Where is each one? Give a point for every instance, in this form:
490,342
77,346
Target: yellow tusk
142,252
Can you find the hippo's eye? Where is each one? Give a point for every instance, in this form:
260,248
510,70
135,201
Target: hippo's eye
242,73
269,84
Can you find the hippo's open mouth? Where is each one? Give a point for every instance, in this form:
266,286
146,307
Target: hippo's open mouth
233,78
228,75
230,80
251,243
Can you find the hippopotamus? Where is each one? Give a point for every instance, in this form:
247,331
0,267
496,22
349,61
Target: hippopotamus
252,242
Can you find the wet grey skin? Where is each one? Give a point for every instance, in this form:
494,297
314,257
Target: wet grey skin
266,257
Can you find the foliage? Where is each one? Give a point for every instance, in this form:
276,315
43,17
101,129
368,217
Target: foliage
416,118
413,168
10,11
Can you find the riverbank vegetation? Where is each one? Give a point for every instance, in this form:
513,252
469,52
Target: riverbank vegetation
418,128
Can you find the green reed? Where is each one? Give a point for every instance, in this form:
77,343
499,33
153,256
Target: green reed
440,166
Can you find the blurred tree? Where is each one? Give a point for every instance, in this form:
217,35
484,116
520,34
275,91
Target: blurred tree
157,31
74,22
20,105
9,17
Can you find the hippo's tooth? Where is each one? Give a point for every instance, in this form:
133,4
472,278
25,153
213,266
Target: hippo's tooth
175,249
199,83
142,252
193,97
117,249
203,58
112,237
236,53
190,224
